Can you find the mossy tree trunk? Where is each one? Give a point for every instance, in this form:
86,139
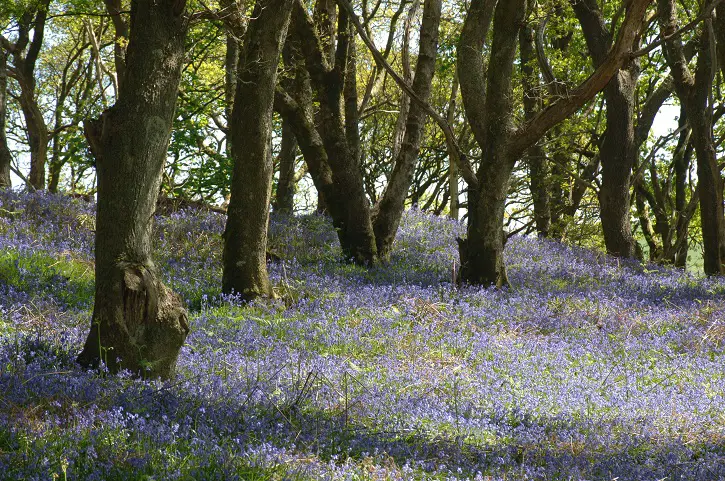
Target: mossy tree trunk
138,323
245,236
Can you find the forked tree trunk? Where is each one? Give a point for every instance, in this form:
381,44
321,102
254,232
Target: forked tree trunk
24,62
489,108
138,323
351,216
245,236
389,210
482,260
5,156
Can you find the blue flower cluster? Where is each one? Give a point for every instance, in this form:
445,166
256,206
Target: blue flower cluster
589,368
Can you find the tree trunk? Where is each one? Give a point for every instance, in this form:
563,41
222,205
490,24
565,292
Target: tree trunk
539,172
452,166
489,108
389,210
694,92
120,38
138,323
482,260
399,132
245,236
682,159
287,159
618,151
24,72
5,156
618,154
352,216
37,133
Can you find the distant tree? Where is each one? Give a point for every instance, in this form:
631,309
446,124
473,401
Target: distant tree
138,323
287,161
5,156
245,236
24,52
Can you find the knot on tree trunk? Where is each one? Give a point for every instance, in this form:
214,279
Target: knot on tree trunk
141,330
156,323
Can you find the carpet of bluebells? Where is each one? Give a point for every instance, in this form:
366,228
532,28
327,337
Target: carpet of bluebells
586,369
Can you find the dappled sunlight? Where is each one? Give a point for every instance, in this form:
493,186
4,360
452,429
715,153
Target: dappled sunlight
587,368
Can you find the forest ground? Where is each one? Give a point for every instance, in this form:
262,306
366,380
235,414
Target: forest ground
588,368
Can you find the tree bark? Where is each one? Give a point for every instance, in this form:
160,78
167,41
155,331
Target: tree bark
138,323
352,216
5,156
694,92
618,151
245,236
389,210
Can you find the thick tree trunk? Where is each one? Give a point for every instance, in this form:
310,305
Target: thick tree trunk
389,210
618,154
138,323
245,236
618,151
287,160
694,92
5,156
482,260
481,254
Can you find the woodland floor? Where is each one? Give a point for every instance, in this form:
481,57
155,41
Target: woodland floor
587,368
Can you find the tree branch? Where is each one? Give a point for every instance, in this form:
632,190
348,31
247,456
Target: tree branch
460,157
